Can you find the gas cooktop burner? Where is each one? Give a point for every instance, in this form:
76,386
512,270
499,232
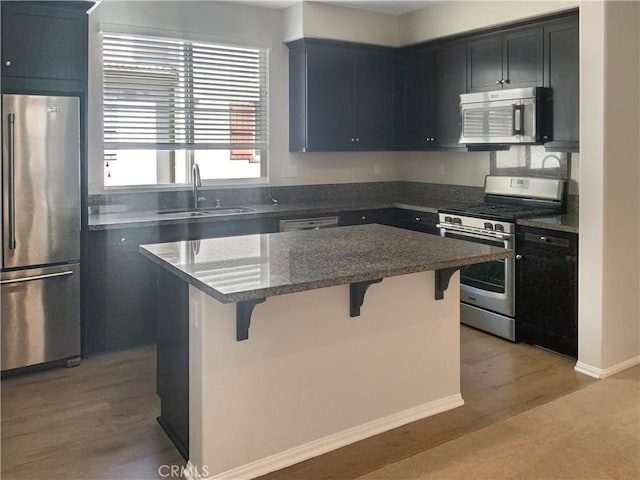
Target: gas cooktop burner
499,211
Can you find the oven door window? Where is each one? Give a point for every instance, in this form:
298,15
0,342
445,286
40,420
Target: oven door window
488,276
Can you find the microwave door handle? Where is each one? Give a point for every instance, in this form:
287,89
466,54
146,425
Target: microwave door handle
518,116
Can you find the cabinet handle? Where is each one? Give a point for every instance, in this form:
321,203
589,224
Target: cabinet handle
498,82
518,257
357,139
7,63
543,239
417,219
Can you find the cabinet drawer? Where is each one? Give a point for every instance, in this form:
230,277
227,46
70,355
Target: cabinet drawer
418,221
548,241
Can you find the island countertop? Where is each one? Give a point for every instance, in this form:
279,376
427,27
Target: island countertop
250,267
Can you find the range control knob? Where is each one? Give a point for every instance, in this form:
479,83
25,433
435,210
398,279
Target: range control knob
499,228
488,225
457,221
447,219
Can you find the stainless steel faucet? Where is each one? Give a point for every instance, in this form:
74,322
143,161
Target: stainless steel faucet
197,182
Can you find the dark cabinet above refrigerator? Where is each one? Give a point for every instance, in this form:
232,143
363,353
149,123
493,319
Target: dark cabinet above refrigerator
44,46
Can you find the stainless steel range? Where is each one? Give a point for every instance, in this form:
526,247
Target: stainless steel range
487,290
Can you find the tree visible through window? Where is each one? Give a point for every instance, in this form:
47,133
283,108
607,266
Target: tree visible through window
168,103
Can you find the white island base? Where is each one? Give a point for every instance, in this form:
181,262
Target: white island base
311,379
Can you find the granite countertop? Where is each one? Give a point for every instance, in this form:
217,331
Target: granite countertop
563,223
249,267
150,218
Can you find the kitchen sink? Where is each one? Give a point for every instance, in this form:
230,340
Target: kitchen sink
208,212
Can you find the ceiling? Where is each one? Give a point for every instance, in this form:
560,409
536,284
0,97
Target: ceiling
392,7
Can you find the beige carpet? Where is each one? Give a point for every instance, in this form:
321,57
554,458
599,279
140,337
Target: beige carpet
593,433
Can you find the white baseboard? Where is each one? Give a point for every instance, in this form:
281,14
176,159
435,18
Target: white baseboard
331,442
596,372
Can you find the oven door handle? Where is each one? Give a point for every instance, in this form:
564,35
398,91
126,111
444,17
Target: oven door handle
506,239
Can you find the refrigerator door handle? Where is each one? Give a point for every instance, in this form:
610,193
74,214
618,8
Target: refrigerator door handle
37,277
12,182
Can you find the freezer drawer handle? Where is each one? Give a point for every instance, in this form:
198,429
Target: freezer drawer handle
11,174
37,277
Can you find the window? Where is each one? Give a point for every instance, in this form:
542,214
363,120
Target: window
168,103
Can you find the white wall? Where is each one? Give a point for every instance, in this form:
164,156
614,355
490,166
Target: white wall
236,23
340,23
454,168
609,333
453,17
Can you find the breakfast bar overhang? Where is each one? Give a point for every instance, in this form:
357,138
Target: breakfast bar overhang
303,342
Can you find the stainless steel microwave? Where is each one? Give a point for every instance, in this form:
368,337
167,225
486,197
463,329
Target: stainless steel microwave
517,116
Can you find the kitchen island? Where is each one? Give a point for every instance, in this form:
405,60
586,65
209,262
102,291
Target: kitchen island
299,343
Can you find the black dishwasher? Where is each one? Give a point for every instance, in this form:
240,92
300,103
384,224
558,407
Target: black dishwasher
547,289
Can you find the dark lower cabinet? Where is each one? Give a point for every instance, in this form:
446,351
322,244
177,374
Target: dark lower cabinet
383,216
172,358
419,221
547,290
120,288
120,284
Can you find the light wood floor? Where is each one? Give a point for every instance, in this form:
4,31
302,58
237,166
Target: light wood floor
97,421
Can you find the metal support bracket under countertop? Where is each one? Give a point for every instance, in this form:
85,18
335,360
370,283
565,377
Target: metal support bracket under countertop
244,310
356,295
442,280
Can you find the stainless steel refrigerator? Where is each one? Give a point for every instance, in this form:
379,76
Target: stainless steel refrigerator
40,278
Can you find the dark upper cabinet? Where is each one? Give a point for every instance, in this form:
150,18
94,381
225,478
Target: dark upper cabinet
450,82
329,98
44,46
416,100
484,71
430,84
510,60
340,97
562,74
373,119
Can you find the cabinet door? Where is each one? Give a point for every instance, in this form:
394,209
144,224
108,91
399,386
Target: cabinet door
450,82
484,68
374,100
547,293
330,98
522,59
43,42
562,74
120,291
418,100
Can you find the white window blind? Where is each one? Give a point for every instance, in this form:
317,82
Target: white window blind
169,94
